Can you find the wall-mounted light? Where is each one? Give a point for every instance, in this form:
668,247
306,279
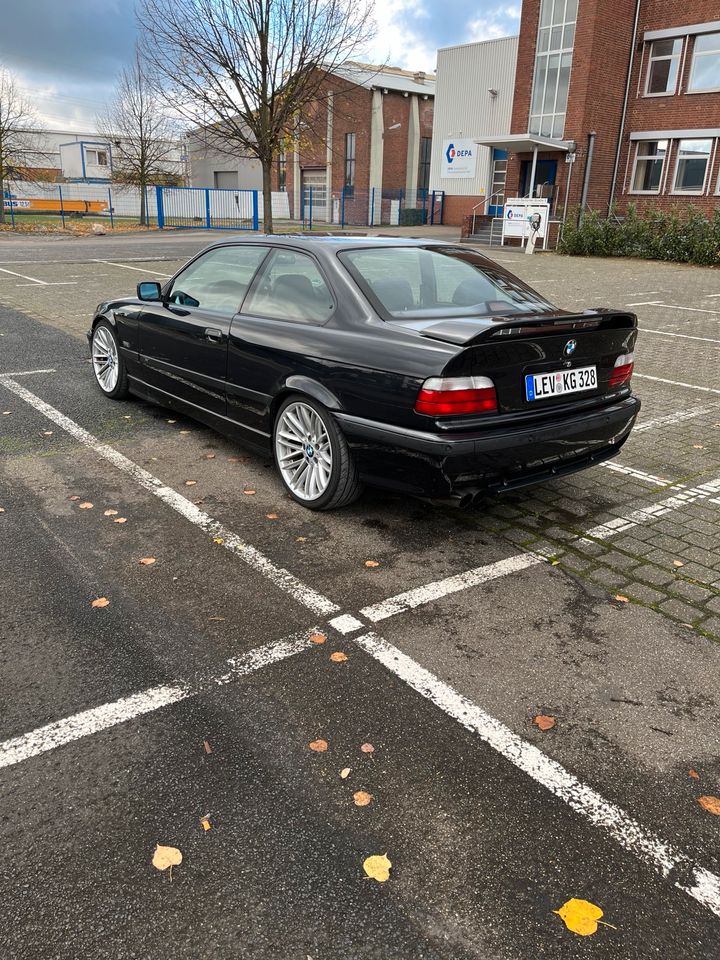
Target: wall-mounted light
493,92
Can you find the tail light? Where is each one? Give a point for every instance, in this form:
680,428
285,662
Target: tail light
451,396
622,370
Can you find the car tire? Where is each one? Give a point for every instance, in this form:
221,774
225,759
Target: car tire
312,456
108,364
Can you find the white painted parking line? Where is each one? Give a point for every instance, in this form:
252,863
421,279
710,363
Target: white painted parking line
636,474
677,383
673,418
702,885
644,303
346,624
26,373
22,276
681,336
125,266
682,498
107,715
50,283
672,306
442,588
282,578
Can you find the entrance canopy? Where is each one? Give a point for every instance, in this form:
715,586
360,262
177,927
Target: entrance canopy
526,143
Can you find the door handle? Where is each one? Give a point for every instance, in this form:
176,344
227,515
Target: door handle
213,334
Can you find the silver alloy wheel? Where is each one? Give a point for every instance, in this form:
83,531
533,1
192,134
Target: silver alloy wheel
303,451
105,359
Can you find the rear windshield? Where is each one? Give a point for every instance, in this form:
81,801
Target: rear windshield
427,282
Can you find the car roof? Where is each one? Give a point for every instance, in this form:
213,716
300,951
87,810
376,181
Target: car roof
349,242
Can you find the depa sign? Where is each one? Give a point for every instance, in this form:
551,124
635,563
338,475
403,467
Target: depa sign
458,159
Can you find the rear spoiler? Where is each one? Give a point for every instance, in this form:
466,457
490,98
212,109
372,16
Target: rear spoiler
466,334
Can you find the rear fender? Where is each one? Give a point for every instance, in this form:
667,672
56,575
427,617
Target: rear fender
304,386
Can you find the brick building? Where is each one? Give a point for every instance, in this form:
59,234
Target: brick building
364,143
631,90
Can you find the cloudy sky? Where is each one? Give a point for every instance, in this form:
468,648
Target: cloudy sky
67,53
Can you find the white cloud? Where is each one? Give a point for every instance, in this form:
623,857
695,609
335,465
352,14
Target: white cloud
398,41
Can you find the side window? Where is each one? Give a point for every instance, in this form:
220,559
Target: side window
219,279
291,287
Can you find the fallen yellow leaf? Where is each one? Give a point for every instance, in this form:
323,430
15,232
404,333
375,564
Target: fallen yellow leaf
317,638
190,483
367,748
205,821
544,722
120,520
85,506
147,561
2,509
209,456
110,513
6,413
678,563
361,798
47,433
218,540
581,916
372,563
345,773
100,602
271,516
698,446
249,492
217,619
378,868
300,539
165,857
183,433
338,657
206,747
621,599
73,498
694,774
319,746
711,804
172,421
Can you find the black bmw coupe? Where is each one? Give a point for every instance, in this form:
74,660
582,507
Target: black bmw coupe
413,365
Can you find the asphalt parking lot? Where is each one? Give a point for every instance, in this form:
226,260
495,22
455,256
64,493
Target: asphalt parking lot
197,690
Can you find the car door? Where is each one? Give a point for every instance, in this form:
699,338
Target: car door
277,333
184,338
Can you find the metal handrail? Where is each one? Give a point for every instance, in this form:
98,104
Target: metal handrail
485,202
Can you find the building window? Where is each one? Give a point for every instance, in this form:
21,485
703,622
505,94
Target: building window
98,158
705,73
424,167
553,59
282,171
649,164
691,167
663,67
349,181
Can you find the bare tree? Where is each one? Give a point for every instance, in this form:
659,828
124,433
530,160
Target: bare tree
243,70
142,136
17,117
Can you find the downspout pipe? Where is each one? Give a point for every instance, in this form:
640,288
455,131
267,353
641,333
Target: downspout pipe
621,131
588,168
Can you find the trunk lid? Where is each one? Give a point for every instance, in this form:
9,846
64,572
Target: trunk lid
510,349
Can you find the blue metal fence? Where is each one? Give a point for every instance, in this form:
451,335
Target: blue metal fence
207,208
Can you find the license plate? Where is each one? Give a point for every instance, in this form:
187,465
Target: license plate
557,383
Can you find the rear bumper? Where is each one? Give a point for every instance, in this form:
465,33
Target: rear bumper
494,459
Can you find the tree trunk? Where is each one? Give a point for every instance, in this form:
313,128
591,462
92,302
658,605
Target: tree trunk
143,211
267,195
2,195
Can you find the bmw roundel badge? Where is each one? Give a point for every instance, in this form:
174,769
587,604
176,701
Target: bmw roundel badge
570,348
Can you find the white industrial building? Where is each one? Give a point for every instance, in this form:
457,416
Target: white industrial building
68,156
473,99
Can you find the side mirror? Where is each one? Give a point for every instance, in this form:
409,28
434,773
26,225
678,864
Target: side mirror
149,290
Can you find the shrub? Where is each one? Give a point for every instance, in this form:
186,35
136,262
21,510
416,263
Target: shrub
652,234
